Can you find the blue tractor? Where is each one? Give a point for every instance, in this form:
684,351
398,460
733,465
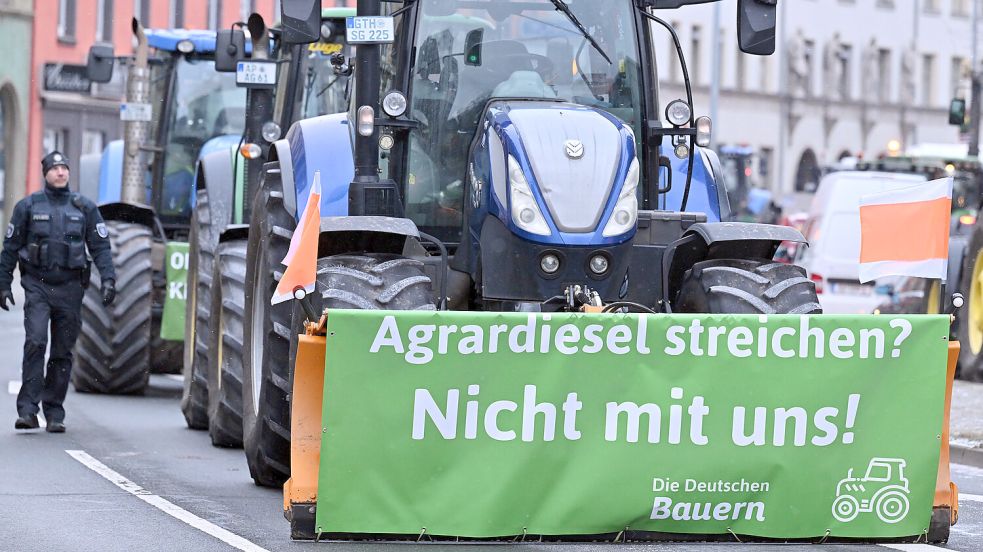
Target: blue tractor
503,156
177,109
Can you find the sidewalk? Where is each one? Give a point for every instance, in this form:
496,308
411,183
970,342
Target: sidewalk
966,424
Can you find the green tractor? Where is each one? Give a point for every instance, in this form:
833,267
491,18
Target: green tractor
300,85
177,109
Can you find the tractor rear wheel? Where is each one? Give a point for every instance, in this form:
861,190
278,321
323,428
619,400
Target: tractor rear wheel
740,286
113,350
266,369
225,370
201,257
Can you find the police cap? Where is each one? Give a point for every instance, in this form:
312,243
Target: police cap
52,160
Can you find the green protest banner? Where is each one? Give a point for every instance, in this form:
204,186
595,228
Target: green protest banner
493,425
172,322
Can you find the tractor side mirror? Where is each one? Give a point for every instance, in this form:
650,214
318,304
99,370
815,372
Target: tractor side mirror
756,22
472,47
230,49
957,111
99,66
300,21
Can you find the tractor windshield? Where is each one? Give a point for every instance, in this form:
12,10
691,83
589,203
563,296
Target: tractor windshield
206,104
468,52
324,91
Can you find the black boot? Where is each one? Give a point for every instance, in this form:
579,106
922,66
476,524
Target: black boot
55,427
29,421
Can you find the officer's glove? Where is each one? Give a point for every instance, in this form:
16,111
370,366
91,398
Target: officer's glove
108,292
6,295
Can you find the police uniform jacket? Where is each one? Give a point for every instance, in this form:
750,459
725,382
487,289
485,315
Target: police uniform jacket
48,235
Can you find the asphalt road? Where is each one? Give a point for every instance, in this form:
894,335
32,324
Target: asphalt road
107,483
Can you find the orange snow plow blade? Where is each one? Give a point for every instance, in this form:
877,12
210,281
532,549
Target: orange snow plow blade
946,507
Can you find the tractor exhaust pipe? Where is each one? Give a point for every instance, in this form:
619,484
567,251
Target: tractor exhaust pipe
260,102
134,188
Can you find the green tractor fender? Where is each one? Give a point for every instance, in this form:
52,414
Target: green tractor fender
706,241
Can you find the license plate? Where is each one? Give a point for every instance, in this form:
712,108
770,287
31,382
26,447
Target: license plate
370,30
256,74
139,112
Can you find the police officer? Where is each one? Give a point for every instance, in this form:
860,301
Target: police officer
48,234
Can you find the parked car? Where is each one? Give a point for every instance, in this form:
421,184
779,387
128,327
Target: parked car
832,259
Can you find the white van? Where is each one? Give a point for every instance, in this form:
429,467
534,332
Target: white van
833,230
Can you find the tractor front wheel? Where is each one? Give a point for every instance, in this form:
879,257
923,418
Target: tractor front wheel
741,286
266,369
970,327
225,369
201,256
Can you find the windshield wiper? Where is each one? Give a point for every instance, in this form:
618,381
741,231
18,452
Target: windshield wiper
565,9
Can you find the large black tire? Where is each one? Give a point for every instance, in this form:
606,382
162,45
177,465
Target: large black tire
266,370
366,282
201,257
373,282
969,330
225,368
113,350
738,286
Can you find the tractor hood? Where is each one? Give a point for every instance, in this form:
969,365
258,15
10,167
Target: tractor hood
576,160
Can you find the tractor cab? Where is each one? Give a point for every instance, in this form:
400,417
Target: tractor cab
526,140
193,110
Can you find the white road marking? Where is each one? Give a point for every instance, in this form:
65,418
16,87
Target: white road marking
971,497
175,377
164,505
913,547
13,387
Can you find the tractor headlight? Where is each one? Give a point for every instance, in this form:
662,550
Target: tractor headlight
678,112
626,210
394,104
185,46
525,210
271,131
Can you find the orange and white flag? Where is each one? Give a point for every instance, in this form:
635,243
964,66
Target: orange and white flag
301,258
906,232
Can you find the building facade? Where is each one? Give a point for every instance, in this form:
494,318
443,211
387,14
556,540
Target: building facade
16,21
71,114
848,78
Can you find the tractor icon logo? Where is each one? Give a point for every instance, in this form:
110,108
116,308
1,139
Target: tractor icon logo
882,490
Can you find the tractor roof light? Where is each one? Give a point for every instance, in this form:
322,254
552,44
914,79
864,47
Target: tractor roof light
185,46
394,104
678,113
366,120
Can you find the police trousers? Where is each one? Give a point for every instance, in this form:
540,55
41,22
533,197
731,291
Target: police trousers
59,304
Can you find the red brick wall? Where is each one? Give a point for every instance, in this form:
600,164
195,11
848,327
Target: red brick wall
47,47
